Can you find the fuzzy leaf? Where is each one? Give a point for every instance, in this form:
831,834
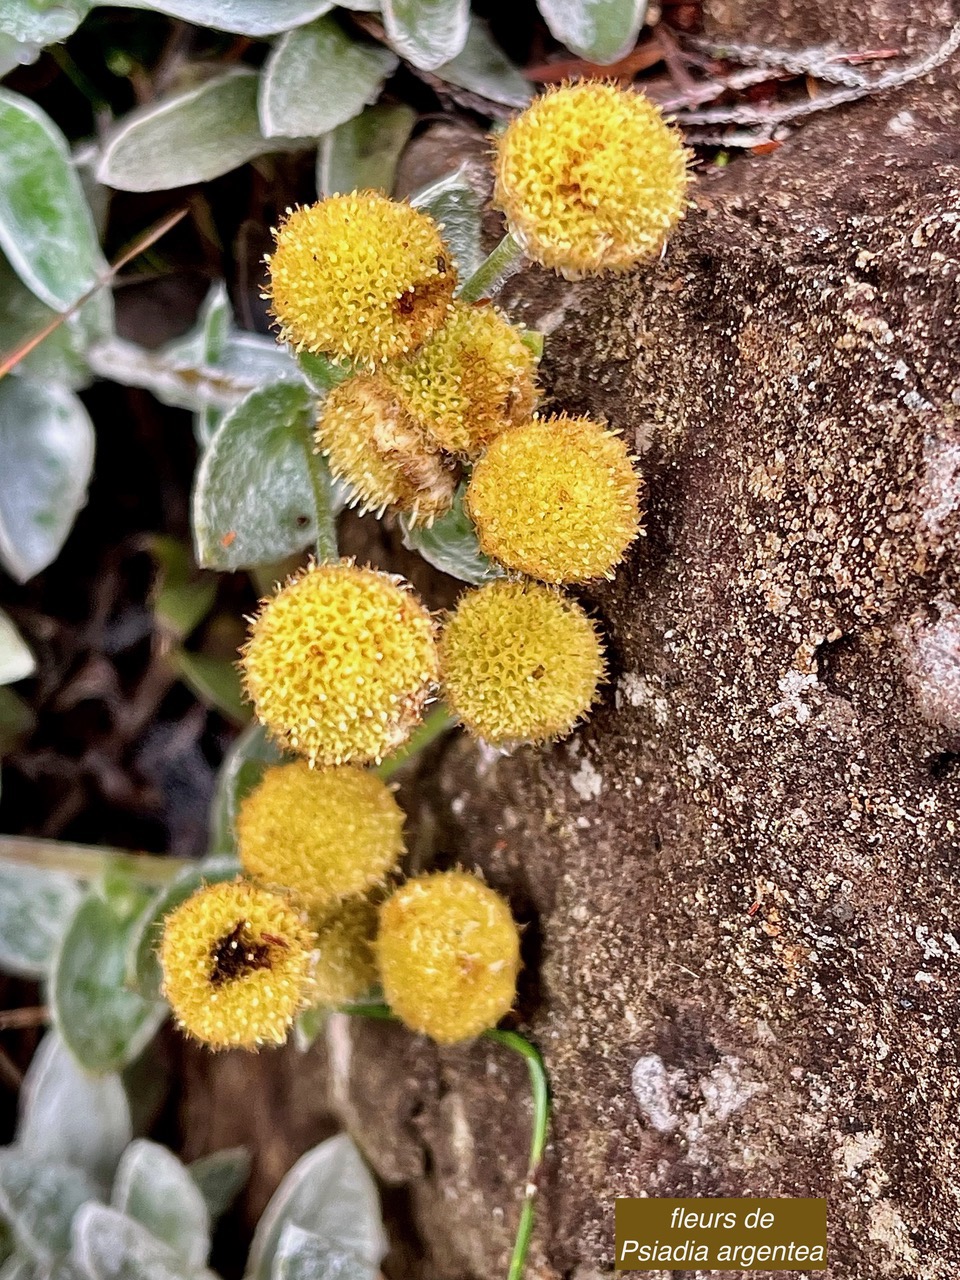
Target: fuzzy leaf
110,1246
16,660
241,771
40,21
599,30
318,77
35,907
38,1199
189,137
221,1176
143,967
46,227
156,1190
241,17
215,681
427,33
46,441
70,1117
182,596
261,493
482,67
363,153
103,1023
22,1267
451,545
303,1255
214,324
328,1191
454,204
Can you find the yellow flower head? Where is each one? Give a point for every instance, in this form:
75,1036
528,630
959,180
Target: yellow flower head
591,178
359,277
340,662
520,662
374,444
556,498
449,952
345,967
474,377
327,834
235,963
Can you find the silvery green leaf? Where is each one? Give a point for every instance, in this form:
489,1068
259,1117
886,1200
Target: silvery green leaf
41,21
20,1267
46,228
309,1025
317,77
241,771
46,441
15,53
221,1177
482,67
451,545
143,967
241,17
110,1246
363,153
39,1199
330,1192
303,1255
214,324
427,33
454,204
35,907
156,1190
103,1023
361,6
599,30
70,1117
261,492
16,660
188,137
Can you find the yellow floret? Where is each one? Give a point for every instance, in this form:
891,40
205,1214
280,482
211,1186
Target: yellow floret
556,498
345,966
340,662
449,953
327,834
591,178
520,662
385,456
468,382
235,963
359,277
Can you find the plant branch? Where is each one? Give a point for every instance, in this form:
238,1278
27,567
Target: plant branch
88,862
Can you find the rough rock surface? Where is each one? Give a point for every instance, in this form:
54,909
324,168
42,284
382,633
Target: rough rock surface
742,877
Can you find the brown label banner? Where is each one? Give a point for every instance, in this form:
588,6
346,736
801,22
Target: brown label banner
714,1234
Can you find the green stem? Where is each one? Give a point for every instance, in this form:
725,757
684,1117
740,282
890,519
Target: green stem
437,723
494,271
89,862
327,546
541,1119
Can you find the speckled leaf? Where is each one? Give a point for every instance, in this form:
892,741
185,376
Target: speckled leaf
156,1190
600,30
42,21
39,1199
303,1255
482,67
451,545
454,204
363,153
427,33
35,907
110,1246
319,76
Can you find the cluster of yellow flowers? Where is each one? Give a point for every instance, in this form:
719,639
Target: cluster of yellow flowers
341,661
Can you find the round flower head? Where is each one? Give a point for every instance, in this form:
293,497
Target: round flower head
520,662
474,377
374,444
359,277
449,952
556,498
327,834
235,962
339,664
345,966
591,178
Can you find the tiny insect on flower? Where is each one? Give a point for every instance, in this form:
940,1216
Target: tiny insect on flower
235,962
340,663
556,498
448,950
591,178
326,833
359,277
520,662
